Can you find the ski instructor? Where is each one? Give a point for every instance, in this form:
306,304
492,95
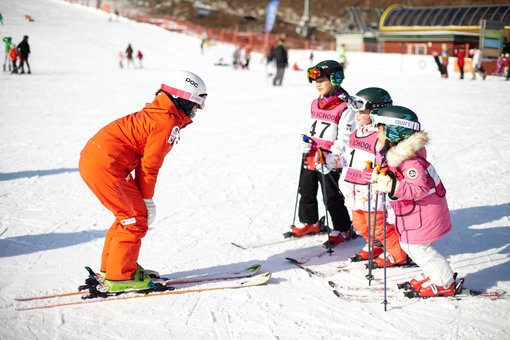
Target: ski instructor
139,142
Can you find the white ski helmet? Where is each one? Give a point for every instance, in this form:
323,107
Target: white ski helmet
188,89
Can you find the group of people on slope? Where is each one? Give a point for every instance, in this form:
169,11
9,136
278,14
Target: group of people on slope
14,53
129,58
476,55
343,133
241,57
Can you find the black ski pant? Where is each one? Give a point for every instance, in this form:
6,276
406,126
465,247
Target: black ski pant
308,204
24,60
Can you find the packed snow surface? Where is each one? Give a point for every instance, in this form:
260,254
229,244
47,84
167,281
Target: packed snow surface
231,178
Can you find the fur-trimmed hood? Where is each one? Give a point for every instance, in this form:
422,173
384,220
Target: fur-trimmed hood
408,148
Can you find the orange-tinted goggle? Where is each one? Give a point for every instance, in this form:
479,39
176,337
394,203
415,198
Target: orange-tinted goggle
313,73
316,72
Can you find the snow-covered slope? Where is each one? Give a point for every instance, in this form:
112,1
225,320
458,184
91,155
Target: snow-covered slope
232,177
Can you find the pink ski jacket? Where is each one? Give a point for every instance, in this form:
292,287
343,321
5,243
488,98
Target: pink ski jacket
419,202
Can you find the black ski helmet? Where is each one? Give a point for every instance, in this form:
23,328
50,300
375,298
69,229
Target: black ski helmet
399,122
371,98
330,68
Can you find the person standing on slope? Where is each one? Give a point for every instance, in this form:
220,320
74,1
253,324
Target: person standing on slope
7,41
328,128
24,51
417,196
137,142
362,148
279,55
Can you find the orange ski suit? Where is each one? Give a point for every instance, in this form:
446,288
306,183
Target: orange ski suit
360,223
140,142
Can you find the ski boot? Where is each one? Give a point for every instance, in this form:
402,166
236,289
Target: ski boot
139,281
336,237
101,276
390,261
362,255
429,289
306,229
413,284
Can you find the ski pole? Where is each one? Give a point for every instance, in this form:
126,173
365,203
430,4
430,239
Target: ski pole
369,276
385,302
303,155
293,225
323,178
369,166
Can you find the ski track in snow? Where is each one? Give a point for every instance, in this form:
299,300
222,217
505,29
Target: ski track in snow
231,178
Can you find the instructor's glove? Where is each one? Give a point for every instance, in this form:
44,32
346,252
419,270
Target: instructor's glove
386,184
151,210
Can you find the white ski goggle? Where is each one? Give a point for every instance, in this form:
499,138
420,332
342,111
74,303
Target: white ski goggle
395,121
359,104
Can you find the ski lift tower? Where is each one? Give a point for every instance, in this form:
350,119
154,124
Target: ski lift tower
304,29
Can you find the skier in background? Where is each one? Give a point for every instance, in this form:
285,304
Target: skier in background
129,56
329,128
236,58
139,55
204,42
247,56
460,62
13,55
500,63
137,142
507,66
342,59
8,42
279,55
24,51
506,63
445,56
417,196
120,59
438,63
477,63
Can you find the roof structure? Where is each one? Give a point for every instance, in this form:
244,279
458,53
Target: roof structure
399,17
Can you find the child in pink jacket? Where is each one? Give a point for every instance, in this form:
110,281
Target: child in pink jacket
416,195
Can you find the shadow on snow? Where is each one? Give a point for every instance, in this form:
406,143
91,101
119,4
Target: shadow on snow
462,239
27,244
33,173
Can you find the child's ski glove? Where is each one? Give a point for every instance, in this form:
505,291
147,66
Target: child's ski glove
386,184
151,210
306,145
368,175
335,161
